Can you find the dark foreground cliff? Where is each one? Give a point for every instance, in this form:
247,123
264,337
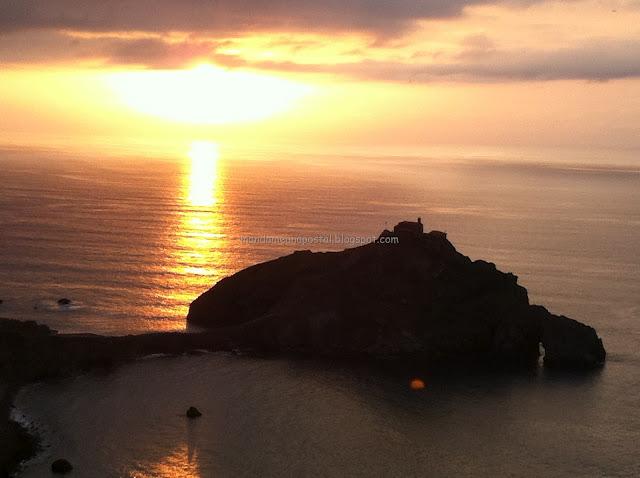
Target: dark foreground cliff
417,299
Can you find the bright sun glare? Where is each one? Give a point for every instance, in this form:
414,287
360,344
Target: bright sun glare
205,94
204,171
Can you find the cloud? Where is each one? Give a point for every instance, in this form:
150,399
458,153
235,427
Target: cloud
379,17
50,47
156,52
477,59
126,32
594,60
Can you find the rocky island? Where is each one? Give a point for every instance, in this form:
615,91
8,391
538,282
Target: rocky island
410,296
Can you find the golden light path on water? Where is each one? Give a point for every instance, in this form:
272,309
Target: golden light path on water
202,190
180,463
198,258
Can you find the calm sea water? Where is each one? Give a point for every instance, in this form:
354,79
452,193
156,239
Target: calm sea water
133,240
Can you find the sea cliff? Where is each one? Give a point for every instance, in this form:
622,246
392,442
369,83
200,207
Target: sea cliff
413,298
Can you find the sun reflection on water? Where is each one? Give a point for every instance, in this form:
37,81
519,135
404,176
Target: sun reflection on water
180,463
198,255
202,186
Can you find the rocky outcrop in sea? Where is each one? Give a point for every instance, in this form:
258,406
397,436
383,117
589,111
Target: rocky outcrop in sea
409,296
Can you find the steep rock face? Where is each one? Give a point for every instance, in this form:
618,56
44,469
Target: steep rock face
568,343
419,299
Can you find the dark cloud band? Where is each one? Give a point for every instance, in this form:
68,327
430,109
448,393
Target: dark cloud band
380,17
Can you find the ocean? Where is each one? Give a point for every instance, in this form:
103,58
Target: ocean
131,240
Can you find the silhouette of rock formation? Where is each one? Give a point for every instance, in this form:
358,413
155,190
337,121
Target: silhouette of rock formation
418,299
61,466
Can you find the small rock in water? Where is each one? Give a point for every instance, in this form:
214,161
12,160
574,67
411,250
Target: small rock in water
64,301
61,466
193,412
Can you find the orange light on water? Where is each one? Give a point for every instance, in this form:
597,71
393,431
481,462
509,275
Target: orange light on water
417,384
181,462
197,253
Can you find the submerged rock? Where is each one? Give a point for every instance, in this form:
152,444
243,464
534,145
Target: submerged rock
64,301
193,412
61,466
411,296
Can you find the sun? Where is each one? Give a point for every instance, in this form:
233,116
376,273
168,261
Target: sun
206,94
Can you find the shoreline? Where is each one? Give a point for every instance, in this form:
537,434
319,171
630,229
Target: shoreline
17,444
31,353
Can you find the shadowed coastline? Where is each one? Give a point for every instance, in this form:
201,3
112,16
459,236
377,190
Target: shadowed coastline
31,352
413,301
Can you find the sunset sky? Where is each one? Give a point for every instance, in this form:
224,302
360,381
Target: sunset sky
401,73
